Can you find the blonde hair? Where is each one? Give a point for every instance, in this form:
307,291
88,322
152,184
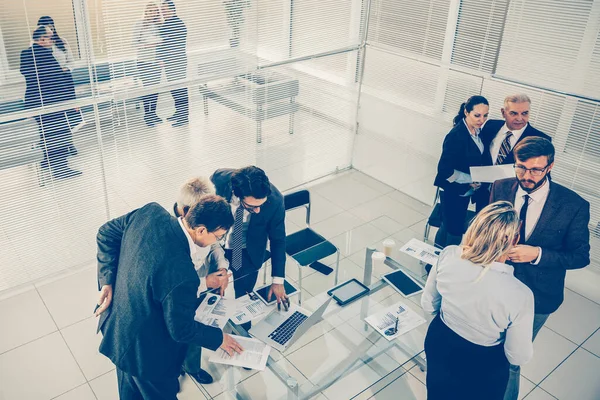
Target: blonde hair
516,98
493,232
193,190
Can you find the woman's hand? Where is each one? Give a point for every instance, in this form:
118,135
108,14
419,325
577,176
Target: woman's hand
475,185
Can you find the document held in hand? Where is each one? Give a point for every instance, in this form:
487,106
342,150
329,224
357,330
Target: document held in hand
492,173
254,356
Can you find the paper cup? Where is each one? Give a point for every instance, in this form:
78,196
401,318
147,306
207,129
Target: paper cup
388,247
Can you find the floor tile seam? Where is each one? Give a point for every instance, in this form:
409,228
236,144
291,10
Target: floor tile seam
29,342
385,386
579,294
555,368
75,388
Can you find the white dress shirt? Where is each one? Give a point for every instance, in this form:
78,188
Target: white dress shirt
537,200
499,138
498,308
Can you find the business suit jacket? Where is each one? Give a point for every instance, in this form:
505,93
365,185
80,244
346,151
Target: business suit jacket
268,223
45,81
172,49
459,152
490,130
145,255
563,234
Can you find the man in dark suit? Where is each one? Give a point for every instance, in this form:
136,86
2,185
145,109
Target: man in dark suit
147,278
259,214
171,53
501,136
47,84
554,234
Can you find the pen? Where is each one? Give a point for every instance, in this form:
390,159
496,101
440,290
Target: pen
96,308
396,328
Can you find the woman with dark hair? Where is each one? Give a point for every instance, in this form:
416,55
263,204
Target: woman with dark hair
462,149
63,54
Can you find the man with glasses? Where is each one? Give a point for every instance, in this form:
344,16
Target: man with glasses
554,232
501,136
259,214
148,290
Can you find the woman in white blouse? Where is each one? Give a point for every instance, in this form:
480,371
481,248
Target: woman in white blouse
483,314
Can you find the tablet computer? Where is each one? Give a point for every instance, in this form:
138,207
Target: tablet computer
263,292
403,283
348,291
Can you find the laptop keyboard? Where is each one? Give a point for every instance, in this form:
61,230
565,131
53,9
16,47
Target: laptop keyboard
286,330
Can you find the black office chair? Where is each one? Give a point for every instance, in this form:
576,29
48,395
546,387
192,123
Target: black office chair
435,218
307,246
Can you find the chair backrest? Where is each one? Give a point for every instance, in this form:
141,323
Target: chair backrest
297,199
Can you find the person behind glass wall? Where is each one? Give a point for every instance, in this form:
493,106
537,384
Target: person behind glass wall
63,54
211,265
171,54
146,39
461,150
483,314
47,84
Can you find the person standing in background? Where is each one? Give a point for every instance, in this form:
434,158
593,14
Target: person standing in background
47,84
171,54
462,149
146,37
63,54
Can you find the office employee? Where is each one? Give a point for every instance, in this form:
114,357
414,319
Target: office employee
147,278
259,214
483,314
462,149
554,231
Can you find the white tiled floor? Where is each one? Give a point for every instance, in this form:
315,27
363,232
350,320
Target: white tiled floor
49,349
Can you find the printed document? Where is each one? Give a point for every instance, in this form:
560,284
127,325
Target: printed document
492,173
254,356
214,311
421,251
384,321
247,309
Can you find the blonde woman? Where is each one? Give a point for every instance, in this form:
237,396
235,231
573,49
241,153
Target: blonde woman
483,314
146,37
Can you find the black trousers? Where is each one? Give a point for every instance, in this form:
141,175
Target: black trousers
461,370
55,138
149,73
133,388
180,96
454,214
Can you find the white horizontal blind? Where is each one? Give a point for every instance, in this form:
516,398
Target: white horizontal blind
414,26
479,32
542,42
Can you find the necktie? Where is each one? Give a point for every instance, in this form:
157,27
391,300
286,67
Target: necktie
237,238
504,148
523,218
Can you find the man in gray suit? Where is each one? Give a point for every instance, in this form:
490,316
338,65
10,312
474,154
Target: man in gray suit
554,234
148,294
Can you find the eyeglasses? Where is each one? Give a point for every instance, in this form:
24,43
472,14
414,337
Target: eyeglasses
220,237
248,207
521,170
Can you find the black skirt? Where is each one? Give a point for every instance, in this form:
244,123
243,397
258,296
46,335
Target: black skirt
459,369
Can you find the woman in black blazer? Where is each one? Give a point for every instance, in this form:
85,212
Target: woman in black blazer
462,149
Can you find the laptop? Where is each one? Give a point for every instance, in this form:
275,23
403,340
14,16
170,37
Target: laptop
280,329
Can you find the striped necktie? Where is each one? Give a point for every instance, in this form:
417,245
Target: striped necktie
504,148
237,238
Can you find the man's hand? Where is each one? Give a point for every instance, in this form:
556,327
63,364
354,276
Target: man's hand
106,295
279,292
523,253
475,185
230,345
219,279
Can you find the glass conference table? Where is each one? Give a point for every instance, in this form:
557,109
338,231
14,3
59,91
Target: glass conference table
342,356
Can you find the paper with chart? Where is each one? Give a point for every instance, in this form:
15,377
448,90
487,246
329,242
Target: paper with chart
248,309
421,251
254,356
384,321
492,173
214,311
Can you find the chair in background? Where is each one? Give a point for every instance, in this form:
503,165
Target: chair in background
307,246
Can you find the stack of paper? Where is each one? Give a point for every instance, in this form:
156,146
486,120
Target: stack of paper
421,251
